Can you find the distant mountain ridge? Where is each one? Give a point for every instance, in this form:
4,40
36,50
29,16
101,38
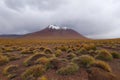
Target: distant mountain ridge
10,36
50,32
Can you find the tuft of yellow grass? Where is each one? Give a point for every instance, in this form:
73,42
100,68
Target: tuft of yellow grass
104,55
10,71
103,65
34,72
71,68
3,59
84,60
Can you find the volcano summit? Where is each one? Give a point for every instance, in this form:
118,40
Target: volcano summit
55,32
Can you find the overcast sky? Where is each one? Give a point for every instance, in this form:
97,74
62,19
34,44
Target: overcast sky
92,18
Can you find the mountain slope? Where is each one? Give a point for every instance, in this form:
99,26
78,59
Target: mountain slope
55,32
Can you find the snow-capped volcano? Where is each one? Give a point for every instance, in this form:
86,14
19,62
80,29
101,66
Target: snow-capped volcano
55,32
57,27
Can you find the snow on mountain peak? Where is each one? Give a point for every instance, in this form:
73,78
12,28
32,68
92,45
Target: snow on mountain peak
57,27
53,27
64,28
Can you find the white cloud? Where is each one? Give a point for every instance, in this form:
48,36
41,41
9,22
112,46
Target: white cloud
93,18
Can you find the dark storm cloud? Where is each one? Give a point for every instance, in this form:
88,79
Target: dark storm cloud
93,18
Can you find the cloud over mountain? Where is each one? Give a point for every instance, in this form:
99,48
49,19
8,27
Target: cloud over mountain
93,18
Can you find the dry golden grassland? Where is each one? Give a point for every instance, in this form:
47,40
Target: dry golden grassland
59,59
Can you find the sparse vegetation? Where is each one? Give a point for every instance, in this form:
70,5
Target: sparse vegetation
48,51
69,50
33,72
103,65
13,57
43,78
84,60
30,60
41,49
26,51
58,52
104,55
54,63
71,56
89,46
3,59
81,51
68,69
63,48
42,60
58,59
10,71
115,55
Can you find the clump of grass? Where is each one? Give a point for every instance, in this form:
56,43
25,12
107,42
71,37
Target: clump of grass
10,71
56,48
81,51
89,46
3,59
115,55
19,49
58,52
30,60
71,56
63,48
26,51
34,72
41,49
42,60
84,60
92,53
13,57
69,50
103,65
48,51
43,78
74,49
69,69
31,49
55,63
104,55
8,49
